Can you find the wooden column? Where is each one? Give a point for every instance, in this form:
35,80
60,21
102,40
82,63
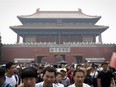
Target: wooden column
18,38
100,38
94,38
24,39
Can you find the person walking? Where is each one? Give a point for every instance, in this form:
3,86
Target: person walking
2,79
88,78
10,76
28,76
49,76
78,77
58,80
105,77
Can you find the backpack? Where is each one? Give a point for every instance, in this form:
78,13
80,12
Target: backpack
8,85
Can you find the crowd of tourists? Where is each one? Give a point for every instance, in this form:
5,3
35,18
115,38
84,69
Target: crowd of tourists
58,75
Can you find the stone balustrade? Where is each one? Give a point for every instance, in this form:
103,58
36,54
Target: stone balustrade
65,44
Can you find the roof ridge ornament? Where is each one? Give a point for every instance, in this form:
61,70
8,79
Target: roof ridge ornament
79,10
37,10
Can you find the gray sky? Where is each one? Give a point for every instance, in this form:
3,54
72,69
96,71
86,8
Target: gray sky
10,9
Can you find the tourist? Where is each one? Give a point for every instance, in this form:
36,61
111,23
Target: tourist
10,76
94,75
2,74
88,78
105,77
78,77
58,80
49,76
40,74
28,77
65,80
70,73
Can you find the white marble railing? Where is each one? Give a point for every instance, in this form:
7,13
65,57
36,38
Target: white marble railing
53,44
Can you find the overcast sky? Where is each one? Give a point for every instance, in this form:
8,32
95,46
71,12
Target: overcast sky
10,9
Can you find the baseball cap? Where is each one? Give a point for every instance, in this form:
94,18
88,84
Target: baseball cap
64,69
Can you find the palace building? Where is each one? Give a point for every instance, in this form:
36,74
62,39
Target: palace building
55,36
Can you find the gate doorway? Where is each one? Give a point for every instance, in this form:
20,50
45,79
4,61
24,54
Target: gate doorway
59,58
42,59
79,59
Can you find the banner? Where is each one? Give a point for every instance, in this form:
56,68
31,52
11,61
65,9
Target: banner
113,60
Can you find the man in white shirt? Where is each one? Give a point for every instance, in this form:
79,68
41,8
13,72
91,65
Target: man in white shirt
2,82
49,76
10,76
78,77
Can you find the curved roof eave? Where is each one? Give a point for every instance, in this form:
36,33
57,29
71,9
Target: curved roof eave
58,14
28,20
97,17
58,27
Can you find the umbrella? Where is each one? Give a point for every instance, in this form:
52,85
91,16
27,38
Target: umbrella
62,62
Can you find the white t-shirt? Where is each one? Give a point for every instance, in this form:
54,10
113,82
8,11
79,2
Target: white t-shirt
59,85
84,85
94,74
12,80
40,84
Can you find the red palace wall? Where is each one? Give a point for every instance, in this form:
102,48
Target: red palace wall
10,53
